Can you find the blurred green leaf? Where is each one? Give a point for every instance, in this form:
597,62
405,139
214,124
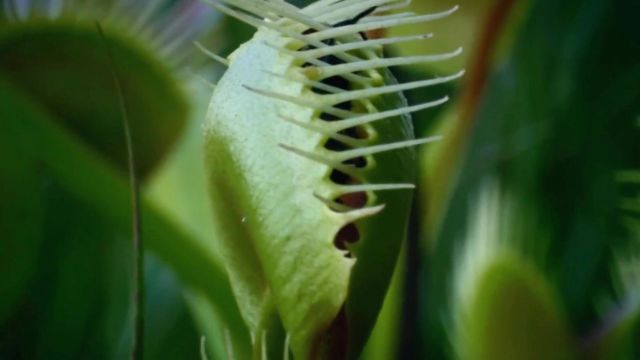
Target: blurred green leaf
555,126
86,222
384,340
21,224
64,66
511,314
618,334
618,337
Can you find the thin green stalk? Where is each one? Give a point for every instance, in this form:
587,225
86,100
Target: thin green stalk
448,158
137,349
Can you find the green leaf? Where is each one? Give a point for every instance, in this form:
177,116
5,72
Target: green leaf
21,223
63,65
88,180
502,306
511,314
617,337
385,339
556,130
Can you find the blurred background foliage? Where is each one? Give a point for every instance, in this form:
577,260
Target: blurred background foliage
548,114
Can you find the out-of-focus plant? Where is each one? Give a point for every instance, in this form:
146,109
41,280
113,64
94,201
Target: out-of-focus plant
538,131
65,213
503,308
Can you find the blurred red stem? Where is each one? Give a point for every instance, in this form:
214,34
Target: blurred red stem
454,146
481,65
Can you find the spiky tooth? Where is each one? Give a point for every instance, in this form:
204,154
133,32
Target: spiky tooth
247,19
388,17
350,189
348,213
366,119
347,9
342,69
324,131
250,10
310,103
332,163
373,25
211,54
371,92
202,80
334,5
359,214
347,140
358,45
370,150
315,104
293,12
257,23
335,206
297,77
260,8
320,4
311,72
399,5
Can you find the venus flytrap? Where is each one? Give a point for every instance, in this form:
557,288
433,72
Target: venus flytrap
310,149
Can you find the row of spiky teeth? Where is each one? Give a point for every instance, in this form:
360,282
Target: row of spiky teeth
277,15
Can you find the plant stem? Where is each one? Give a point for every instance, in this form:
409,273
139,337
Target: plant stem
137,349
444,174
